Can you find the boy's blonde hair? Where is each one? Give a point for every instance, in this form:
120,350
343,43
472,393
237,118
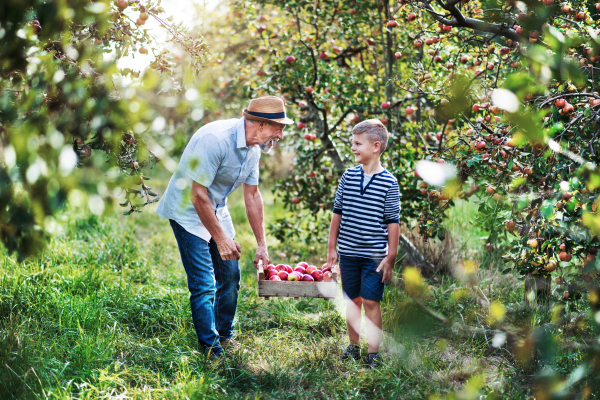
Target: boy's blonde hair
375,131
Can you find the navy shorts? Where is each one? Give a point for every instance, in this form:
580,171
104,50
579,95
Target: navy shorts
360,279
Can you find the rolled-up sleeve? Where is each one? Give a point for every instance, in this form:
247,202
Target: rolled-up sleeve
204,162
391,213
252,179
339,196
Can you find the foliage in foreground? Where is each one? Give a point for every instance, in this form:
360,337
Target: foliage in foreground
61,107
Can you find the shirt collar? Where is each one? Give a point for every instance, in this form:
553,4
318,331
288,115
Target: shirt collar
241,134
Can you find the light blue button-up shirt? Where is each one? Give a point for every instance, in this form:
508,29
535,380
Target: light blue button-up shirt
217,158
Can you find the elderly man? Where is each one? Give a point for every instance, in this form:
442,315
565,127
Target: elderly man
220,157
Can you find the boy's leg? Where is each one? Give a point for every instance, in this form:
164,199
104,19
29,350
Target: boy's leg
354,319
371,291
374,324
350,273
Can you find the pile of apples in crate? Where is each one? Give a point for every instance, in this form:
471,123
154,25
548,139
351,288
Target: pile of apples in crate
302,272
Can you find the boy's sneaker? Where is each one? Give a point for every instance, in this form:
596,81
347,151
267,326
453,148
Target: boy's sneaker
373,360
351,351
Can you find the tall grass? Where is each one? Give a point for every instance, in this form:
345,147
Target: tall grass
104,312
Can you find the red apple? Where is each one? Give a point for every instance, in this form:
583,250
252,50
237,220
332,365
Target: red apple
308,278
481,145
122,4
392,24
385,105
317,275
283,275
275,278
280,267
398,54
409,110
307,136
323,56
300,269
302,264
271,273
310,269
327,276
384,121
260,72
290,59
308,89
270,266
289,269
412,16
370,42
301,125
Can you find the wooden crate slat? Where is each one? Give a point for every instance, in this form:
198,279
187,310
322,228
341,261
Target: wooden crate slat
297,289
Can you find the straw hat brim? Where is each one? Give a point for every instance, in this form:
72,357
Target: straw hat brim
285,121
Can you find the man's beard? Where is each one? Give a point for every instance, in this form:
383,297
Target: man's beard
266,147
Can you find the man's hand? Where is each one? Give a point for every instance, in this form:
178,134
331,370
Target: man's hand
331,257
387,265
261,255
229,249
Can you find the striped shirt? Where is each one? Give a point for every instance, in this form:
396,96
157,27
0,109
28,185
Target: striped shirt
366,212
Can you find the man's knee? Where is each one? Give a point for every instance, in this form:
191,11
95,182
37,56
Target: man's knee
229,272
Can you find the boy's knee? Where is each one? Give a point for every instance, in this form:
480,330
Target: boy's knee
370,304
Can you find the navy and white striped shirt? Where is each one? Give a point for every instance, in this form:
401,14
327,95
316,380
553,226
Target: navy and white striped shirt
366,212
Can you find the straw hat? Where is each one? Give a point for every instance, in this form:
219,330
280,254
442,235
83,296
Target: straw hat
268,108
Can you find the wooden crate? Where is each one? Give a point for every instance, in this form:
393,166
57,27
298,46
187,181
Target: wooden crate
297,289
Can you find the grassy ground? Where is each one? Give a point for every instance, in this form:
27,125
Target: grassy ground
105,313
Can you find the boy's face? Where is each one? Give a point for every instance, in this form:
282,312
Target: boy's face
364,151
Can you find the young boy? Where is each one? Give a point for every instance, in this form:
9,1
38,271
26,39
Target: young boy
365,228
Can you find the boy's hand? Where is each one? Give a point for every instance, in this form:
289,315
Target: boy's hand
387,265
331,257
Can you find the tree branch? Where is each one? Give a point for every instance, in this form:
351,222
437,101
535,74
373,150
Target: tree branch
458,20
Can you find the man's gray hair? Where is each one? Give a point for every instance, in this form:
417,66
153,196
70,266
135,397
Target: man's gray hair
255,121
375,131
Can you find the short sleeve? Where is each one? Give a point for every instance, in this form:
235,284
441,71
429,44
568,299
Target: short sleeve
391,213
339,196
204,161
252,179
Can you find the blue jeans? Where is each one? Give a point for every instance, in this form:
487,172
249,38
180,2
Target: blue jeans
214,285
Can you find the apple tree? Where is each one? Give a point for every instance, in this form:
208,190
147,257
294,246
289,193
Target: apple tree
499,96
65,121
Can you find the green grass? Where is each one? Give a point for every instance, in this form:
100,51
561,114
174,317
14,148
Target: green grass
105,312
